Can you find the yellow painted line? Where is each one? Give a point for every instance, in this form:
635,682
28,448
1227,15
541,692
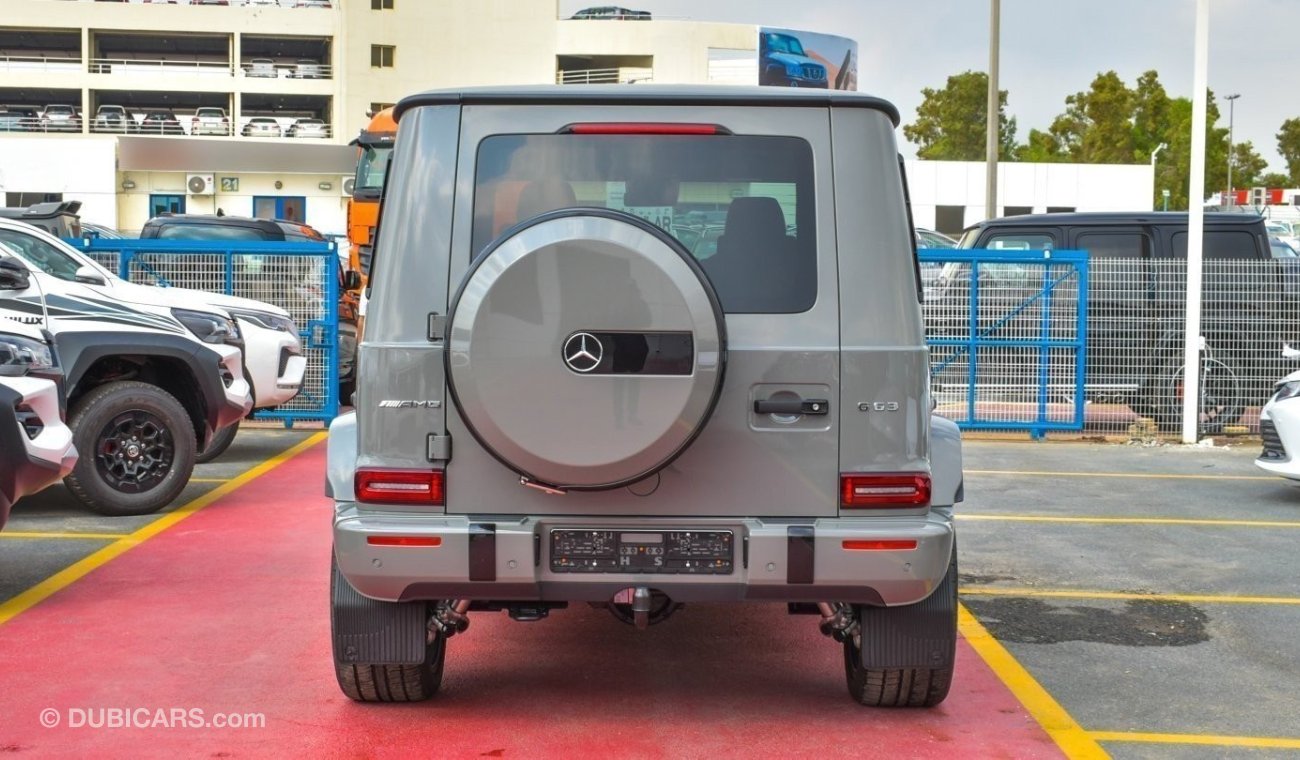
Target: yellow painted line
1036,593
44,534
1210,740
1073,740
1133,520
1145,475
209,480
76,571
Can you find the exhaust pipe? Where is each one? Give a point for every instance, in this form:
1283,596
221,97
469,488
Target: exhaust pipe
838,620
641,607
449,619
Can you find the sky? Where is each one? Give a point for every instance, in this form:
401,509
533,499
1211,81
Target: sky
1050,49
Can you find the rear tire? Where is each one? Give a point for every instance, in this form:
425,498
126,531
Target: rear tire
388,683
137,449
901,687
218,445
1222,399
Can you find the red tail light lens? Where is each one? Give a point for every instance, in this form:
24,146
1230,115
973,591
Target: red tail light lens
881,545
427,541
643,128
390,486
885,490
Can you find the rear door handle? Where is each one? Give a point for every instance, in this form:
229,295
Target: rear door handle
792,406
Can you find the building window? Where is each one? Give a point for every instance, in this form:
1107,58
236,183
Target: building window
381,5
950,220
381,56
1017,210
166,204
27,199
377,107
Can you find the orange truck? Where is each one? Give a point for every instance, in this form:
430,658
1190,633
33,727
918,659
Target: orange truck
374,146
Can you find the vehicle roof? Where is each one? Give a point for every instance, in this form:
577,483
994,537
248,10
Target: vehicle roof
1112,217
42,210
268,225
648,95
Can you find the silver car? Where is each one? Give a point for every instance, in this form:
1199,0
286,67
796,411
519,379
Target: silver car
261,126
558,401
210,121
315,128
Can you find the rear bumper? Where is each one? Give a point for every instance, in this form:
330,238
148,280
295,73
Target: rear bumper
31,464
510,559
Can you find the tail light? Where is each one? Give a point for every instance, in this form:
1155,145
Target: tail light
426,541
879,545
885,490
194,122
643,128
391,486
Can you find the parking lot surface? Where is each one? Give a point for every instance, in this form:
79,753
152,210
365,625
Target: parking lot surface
1136,601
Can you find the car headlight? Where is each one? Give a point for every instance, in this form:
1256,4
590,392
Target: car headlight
266,320
1287,390
18,356
209,327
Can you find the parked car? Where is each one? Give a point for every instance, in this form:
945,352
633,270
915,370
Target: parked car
307,68
575,352
312,4
114,118
1279,426
261,67
12,121
160,123
210,121
611,12
301,291
1281,249
99,232
1136,294
273,361
782,62
261,126
59,117
931,270
315,128
59,218
36,444
28,119
152,375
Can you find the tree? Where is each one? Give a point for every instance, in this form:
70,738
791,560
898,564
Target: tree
1247,165
950,123
1097,126
1288,144
1274,179
1150,115
1174,166
1040,148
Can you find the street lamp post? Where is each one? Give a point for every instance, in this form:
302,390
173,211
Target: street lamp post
1232,102
993,125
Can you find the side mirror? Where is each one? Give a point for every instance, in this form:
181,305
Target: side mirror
13,275
351,280
89,276
1289,353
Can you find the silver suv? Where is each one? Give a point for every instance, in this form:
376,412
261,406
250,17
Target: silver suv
559,402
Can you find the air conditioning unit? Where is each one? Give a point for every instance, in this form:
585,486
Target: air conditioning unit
200,184
346,185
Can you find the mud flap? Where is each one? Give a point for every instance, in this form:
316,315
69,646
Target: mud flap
921,635
368,632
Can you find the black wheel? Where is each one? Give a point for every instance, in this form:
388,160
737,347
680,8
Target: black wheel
218,445
390,683
137,448
1222,400
903,687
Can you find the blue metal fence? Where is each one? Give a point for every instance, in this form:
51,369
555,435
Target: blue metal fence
1007,331
302,278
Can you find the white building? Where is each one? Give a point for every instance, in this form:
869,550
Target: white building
336,62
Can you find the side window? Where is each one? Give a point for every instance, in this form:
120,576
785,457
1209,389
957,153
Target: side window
1114,245
1219,244
41,255
207,232
742,205
1020,241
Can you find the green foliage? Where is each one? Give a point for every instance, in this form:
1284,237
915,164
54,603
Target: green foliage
1288,144
1274,179
950,123
1247,165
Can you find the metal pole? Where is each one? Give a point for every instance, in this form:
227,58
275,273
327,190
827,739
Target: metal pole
992,141
1232,102
1196,226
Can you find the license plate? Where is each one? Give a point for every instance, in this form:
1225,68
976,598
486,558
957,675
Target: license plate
673,552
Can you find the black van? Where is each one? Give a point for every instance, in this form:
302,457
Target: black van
1136,298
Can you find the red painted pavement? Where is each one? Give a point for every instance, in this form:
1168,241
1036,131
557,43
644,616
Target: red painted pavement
227,612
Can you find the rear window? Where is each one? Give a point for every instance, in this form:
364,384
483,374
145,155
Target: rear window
1220,244
741,205
208,232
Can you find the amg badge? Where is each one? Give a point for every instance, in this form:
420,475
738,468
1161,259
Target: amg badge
405,404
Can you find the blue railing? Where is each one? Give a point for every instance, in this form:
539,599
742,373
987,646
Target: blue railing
302,278
1037,319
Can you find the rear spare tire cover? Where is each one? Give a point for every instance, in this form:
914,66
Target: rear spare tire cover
585,349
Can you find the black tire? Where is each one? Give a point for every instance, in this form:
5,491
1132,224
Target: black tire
218,445
102,422
902,687
1223,400
390,683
